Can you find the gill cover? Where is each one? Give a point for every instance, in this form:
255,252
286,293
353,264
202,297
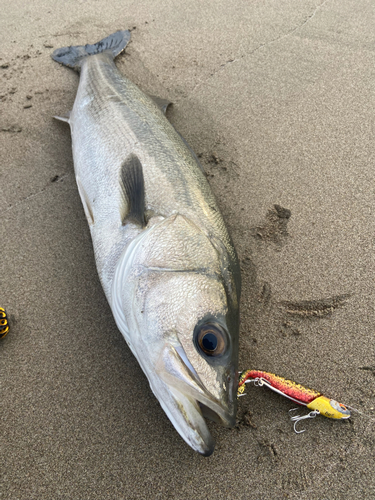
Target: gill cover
169,300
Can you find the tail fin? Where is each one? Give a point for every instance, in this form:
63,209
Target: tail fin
74,56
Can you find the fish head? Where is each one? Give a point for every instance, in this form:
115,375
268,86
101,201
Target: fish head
183,329
189,351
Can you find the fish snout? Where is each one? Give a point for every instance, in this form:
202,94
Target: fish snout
178,374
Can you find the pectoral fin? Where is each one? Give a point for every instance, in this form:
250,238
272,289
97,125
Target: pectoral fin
132,183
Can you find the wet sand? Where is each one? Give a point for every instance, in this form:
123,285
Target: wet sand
277,100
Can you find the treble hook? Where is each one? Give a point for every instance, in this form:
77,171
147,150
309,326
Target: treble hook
298,418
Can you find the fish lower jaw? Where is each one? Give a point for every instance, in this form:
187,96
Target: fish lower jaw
186,417
188,413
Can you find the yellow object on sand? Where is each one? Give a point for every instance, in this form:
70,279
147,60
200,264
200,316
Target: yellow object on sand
329,408
4,325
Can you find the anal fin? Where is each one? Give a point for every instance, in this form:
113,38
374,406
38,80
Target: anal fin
63,118
133,187
85,202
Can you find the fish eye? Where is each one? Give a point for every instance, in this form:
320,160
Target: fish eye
211,340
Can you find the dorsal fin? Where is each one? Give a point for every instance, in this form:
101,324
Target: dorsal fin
63,118
161,103
132,183
191,151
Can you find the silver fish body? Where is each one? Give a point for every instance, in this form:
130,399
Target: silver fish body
164,257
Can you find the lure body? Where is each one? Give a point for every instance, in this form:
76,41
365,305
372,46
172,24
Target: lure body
301,395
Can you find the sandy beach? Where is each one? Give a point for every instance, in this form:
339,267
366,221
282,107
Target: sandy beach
277,100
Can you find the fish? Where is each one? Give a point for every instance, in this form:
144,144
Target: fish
165,259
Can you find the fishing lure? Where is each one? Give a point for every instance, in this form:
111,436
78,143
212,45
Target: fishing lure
314,400
4,325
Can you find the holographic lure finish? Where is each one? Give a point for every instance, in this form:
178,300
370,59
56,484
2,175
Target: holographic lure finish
290,389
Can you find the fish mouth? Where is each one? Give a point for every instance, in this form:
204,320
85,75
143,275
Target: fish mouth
187,402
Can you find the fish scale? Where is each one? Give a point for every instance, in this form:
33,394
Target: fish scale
163,153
